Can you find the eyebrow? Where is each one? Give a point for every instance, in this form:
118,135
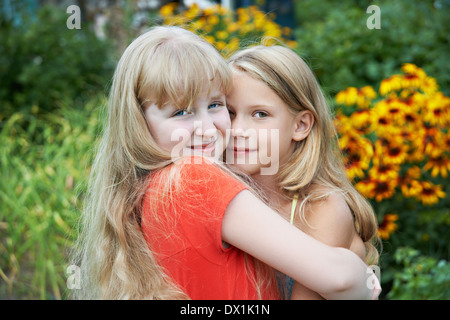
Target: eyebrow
218,97
255,106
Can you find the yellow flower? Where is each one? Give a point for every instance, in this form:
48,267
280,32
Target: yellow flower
243,16
412,69
167,9
375,189
197,25
430,193
361,120
232,27
391,151
413,172
410,188
212,10
354,166
366,188
272,29
383,125
347,96
192,12
393,83
213,20
433,142
385,172
438,165
351,96
210,39
387,226
409,182
357,152
384,189
437,110
220,45
221,35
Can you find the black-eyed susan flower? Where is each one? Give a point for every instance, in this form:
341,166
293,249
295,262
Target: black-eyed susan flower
412,69
388,226
359,97
430,193
360,121
390,84
381,122
358,152
354,166
438,165
366,187
409,182
391,151
347,96
376,189
433,141
384,171
384,189
410,187
446,141
437,110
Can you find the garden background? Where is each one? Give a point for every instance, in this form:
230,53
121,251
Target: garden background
388,86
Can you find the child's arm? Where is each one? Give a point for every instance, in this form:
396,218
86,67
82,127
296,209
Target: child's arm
334,273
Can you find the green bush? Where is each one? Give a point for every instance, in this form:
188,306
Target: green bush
43,63
421,278
343,52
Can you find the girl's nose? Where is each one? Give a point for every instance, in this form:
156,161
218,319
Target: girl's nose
205,128
239,129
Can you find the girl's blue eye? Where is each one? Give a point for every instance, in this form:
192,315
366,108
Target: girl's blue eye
260,114
213,105
180,113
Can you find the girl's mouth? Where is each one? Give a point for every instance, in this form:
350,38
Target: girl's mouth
205,147
242,151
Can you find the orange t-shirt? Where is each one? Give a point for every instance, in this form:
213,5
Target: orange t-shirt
184,231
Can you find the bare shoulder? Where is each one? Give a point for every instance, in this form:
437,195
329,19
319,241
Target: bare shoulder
330,220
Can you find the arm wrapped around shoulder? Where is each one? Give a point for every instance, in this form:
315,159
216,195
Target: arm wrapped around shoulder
335,273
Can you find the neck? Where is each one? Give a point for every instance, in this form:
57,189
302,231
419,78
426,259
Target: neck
277,200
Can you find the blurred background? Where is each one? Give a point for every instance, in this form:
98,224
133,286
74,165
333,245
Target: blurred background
388,87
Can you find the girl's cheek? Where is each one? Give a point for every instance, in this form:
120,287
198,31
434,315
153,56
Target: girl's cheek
223,119
179,133
263,140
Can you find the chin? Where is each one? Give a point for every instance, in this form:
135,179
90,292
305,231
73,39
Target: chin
248,169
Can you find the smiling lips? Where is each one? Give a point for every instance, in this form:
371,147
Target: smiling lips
205,147
242,151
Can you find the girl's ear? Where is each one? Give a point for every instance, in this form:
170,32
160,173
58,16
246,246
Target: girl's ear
304,122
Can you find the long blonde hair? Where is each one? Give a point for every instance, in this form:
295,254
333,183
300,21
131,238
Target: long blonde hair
316,162
115,260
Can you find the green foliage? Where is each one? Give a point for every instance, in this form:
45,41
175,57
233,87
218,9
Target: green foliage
44,165
343,52
421,278
42,62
